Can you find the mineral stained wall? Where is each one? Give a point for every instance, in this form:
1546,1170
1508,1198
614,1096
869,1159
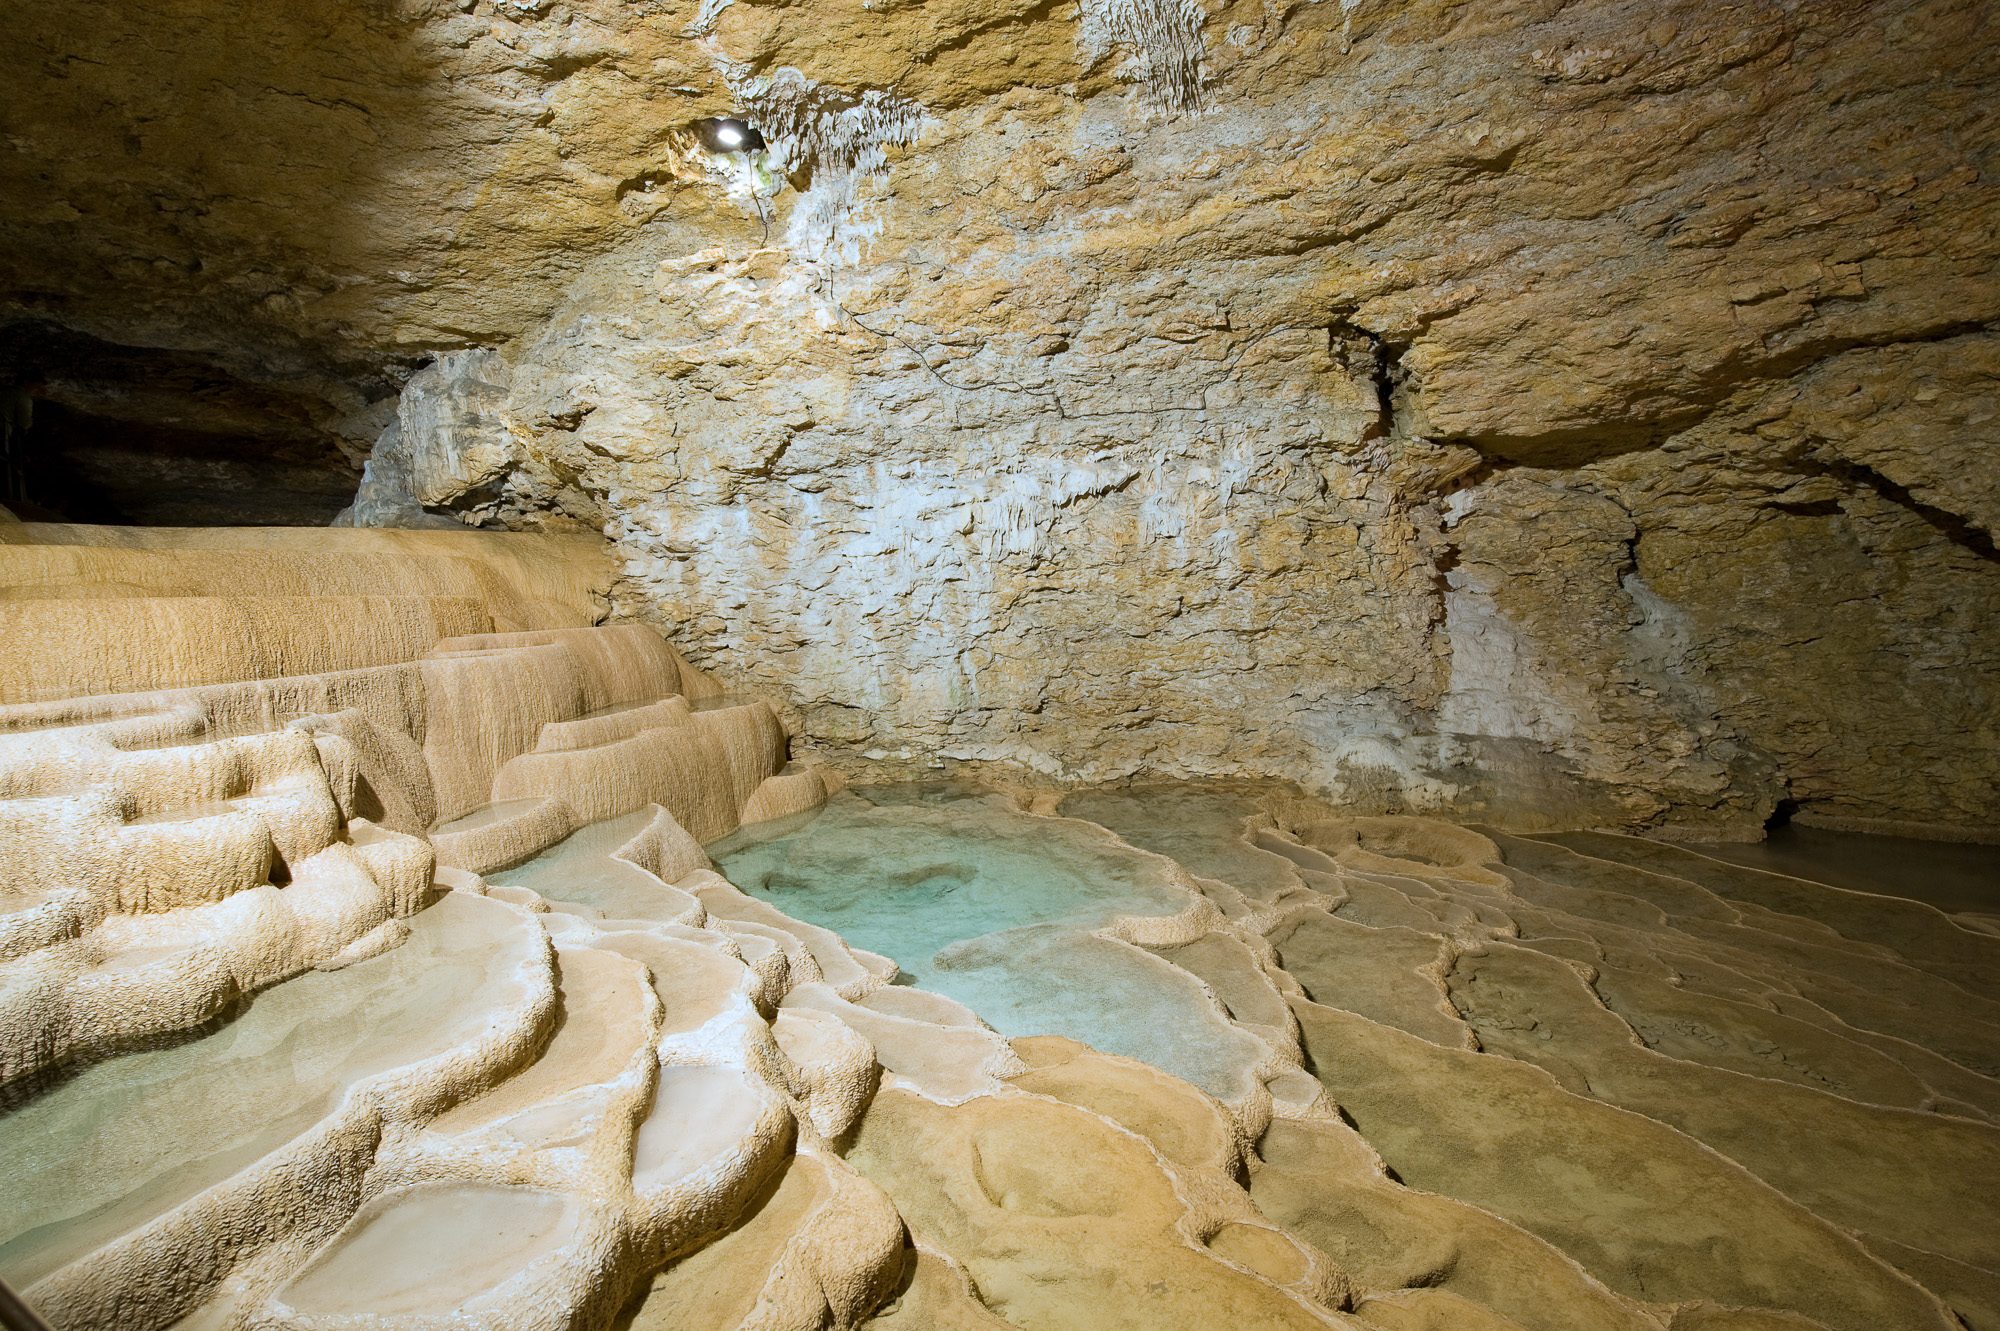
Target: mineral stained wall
409,951
1547,413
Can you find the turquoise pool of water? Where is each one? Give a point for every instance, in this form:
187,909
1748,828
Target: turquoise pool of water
906,878
980,902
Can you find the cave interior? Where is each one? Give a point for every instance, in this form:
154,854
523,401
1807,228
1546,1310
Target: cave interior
796,665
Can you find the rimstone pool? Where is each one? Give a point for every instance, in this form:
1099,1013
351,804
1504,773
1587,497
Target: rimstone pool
1142,665
1036,924
114,1145
952,1011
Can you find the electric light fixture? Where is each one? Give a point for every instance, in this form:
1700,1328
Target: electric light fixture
726,134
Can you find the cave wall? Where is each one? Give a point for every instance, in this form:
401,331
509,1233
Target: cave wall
1546,413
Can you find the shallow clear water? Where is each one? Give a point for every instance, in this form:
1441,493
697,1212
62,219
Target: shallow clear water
906,878
129,1138
1202,829
429,1249
993,907
1051,980
1951,876
579,868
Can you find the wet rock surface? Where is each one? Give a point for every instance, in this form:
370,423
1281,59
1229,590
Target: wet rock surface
482,976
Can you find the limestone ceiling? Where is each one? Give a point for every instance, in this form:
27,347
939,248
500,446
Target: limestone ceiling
1573,222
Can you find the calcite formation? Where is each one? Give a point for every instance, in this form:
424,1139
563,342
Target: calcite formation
1551,414
232,1022
1095,648
494,967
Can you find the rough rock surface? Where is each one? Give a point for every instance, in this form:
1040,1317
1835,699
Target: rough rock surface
384,980
1549,413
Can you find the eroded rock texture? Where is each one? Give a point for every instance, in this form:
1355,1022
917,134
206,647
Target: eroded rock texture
1552,414
233,1000
406,950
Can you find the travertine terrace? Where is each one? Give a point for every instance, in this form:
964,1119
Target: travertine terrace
303,1028
793,665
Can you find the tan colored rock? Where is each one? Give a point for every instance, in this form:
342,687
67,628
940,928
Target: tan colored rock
1135,387
175,852
1545,416
1469,1079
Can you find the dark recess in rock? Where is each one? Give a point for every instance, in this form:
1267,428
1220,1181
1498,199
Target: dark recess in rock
154,437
